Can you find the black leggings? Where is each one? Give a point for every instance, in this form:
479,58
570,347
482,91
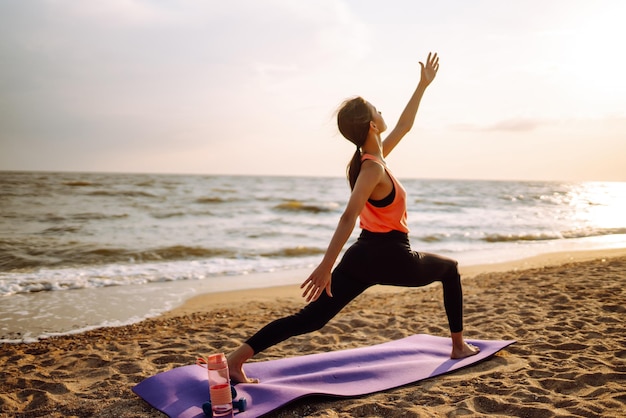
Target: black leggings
376,258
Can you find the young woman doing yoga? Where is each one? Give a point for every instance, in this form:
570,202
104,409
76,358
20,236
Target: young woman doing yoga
382,254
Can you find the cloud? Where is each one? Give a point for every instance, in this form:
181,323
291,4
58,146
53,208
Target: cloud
188,77
130,73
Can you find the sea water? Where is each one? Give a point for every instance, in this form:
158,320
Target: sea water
107,249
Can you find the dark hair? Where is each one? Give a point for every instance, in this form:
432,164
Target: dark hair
353,120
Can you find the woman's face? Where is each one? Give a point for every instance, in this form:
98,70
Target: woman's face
377,118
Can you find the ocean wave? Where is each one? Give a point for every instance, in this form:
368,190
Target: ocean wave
79,183
213,200
52,253
298,206
125,193
166,215
583,233
94,216
440,206
47,280
224,190
299,251
422,201
180,214
120,274
434,238
65,229
82,217
511,198
444,203
546,236
493,238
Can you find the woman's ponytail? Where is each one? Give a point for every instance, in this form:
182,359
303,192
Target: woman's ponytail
353,120
354,168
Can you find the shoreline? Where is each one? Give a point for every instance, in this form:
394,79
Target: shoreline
565,311
37,316
215,300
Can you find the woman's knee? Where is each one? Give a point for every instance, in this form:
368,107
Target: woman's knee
443,268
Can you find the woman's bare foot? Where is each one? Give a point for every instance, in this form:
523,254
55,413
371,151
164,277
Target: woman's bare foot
238,376
236,361
465,350
461,349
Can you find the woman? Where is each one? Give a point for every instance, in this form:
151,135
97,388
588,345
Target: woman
382,254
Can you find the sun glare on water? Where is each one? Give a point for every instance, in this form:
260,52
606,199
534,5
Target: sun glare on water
600,205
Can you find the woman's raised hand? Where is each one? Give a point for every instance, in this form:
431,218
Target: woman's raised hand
429,71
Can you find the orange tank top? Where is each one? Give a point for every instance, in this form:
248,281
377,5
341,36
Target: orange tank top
392,217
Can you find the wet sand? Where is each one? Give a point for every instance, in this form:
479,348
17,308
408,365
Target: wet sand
565,310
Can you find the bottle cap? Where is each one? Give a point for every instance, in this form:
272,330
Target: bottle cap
216,361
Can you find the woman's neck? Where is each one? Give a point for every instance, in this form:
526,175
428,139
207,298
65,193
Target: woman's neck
373,148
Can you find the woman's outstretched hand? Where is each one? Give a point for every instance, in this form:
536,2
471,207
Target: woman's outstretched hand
317,282
429,71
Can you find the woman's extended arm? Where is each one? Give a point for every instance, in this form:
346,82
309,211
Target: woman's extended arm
320,279
405,123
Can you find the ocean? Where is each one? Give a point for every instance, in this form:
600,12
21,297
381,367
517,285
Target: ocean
83,250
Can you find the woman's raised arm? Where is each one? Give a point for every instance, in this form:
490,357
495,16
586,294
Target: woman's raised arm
405,123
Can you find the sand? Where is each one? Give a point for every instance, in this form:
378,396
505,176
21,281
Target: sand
566,311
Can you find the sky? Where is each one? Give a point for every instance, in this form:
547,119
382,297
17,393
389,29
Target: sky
526,90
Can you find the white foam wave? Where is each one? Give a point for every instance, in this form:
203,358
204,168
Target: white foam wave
49,279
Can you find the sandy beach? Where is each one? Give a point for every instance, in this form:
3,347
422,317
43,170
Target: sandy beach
565,310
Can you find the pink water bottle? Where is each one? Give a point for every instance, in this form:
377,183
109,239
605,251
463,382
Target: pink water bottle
219,385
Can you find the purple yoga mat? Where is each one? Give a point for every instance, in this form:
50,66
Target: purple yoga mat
181,392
